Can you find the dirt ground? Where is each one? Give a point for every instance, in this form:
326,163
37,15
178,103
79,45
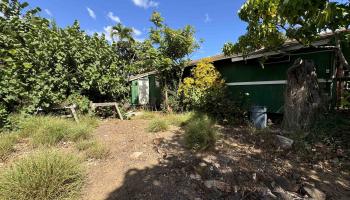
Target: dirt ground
146,165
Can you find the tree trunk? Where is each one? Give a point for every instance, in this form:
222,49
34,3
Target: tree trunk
302,96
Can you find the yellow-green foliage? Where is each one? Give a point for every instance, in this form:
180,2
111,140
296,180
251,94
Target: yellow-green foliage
47,130
7,142
47,175
200,132
205,78
158,125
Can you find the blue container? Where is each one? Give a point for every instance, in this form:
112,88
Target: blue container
258,116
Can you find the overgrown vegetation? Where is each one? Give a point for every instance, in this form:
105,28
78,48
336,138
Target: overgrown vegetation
173,49
45,131
49,131
7,142
200,132
92,149
46,175
43,64
205,91
147,115
178,119
161,121
331,129
158,125
271,23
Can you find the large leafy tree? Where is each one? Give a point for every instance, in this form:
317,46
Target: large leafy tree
173,47
125,46
42,64
272,22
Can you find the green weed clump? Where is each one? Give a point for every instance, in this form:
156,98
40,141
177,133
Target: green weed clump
7,142
48,130
147,115
49,175
179,119
200,132
93,149
158,125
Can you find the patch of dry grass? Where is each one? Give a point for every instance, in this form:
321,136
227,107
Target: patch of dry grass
43,175
93,149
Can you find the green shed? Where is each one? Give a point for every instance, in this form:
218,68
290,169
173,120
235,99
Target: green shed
265,82
145,90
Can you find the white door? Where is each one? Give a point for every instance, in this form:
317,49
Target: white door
143,91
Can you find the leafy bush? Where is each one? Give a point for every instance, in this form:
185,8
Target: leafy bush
46,130
7,142
47,175
82,102
205,80
42,64
158,125
205,91
200,132
174,101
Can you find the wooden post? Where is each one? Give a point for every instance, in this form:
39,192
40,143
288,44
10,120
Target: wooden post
72,109
119,113
92,106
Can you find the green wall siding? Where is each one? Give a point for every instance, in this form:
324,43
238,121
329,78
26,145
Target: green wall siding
271,96
251,70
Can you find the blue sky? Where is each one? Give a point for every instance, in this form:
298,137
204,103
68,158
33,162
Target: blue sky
215,21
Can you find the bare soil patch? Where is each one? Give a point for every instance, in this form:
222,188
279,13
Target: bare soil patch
145,165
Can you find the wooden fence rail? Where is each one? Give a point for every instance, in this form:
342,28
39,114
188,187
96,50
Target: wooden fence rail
93,107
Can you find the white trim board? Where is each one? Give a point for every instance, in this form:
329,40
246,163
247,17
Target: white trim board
275,82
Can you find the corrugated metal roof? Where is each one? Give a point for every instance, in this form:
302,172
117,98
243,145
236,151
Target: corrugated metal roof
132,78
289,45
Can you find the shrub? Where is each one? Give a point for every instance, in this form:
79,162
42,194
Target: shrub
158,125
46,130
200,132
45,175
205,91
205,80
7,142
82,102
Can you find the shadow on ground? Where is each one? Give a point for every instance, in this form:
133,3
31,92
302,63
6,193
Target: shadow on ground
242,166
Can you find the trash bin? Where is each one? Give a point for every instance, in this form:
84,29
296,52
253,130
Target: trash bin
258,116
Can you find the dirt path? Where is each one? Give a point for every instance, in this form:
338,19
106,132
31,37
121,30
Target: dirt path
151,166
131,148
